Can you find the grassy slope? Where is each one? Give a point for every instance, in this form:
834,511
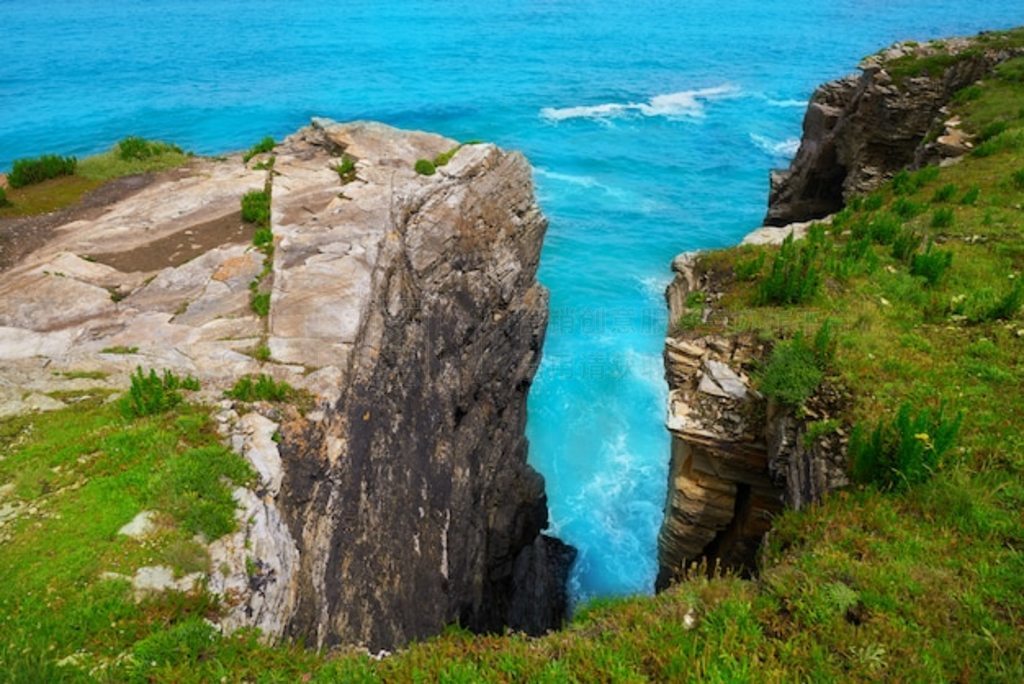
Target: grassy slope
925,585
92,172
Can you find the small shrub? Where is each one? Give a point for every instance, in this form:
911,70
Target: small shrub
794,276
873,202
796,368
30,171
907,209
256,207
906,451
184,643
346,169
986,304
262,147
992,130
906,244
902,184
424,167
970,197
261,352
884,228
944,194
262,238
150,393
748,269
942,218
1018,179
445,157
4,202
260,388
1009,304
1007,140
260,303
134,148
931,264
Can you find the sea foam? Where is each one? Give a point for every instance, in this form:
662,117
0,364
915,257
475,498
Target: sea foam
683,104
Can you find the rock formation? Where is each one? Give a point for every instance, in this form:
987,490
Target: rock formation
406,305
860,130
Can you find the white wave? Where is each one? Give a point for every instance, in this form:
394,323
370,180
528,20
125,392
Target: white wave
776,148
685,103
654,286
796,104
581,181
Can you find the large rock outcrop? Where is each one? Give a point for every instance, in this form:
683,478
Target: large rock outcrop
737,459
406,305
860,130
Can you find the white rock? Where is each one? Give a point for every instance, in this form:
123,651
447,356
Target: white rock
140,526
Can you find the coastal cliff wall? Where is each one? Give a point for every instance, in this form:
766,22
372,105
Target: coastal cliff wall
860,130
405,306
737,458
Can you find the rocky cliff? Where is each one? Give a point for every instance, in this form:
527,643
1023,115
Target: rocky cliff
737,458
406,306
860,130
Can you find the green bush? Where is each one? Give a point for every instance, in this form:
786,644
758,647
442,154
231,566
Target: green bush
262,147
263,238
134,148
1007,140
907,183
985,304
906,451
796,368
256,207
1018,179
907,209
748,269
185,642
970,197
931,264
30,171
873,202
794,276
346,169
260,303
150,393
424,167
884,227
942,218
906,244
260,388
4,202
445,157
992,130
944,194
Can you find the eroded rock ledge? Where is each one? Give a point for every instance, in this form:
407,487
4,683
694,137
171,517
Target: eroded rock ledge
407,305
737,458
860,130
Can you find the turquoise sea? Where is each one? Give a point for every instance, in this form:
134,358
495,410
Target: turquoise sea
652,125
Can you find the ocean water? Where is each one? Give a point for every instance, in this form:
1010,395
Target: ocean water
652,125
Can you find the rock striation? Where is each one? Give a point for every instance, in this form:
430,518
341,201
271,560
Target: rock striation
860,130
406,305
737,459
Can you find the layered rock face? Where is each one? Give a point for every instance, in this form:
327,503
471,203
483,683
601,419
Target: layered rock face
406,305
737,459
860,130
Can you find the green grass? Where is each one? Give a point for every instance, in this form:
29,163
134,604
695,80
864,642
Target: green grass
346,169
260,388
119,349
265,145
38,169
256,207
4,202
132,156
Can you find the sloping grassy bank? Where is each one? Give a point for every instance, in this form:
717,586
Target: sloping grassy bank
895,579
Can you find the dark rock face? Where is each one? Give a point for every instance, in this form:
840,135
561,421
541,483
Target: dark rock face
860,130
411,501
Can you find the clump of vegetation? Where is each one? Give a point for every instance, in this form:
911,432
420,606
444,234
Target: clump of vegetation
31,171
445,157
263,238
4,202
120,349
134,148
265,145
794,276
905,244
256,207
906,209
944,194
346,169
796,367
194,493
1017,177
905,451
942,218
932,264
260,303
260,388
151,393
907,183
748,269
424,167
266,165
986,304
970,197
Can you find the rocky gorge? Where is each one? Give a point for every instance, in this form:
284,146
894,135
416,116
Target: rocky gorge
397,499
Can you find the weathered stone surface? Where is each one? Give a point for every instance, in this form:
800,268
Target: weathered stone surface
140,526
737,459
860,130
407,305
